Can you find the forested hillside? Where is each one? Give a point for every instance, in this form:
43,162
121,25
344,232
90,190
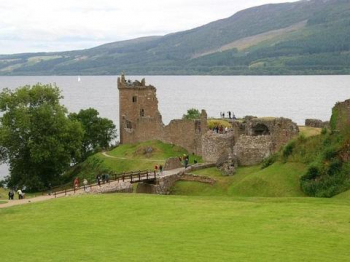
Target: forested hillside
305,37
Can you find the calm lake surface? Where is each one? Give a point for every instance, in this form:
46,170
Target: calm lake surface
295,97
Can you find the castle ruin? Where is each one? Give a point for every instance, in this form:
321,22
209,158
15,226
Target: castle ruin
250,140
141,121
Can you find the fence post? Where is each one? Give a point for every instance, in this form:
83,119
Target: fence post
55,194
147,174
154,174
131,178
139,175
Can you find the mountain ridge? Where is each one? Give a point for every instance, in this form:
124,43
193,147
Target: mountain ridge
305,37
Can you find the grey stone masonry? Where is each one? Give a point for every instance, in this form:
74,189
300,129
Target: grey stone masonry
252,150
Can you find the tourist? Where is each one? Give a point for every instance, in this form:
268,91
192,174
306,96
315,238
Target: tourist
85,182
98,180
233,116
229,114
223,115
11,194
76,183
156,169
20,194
104,178
221,129
186,163
226,129
161,169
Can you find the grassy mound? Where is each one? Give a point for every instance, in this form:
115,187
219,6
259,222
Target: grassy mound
327,158
128,157
218,122
344,195
173,228
308,131
278,180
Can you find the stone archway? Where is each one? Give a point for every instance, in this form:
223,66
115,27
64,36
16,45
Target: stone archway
260,130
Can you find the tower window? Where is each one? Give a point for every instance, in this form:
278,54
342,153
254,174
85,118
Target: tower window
134,99
142,112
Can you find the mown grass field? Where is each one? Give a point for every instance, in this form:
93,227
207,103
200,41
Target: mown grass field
278,180
176,228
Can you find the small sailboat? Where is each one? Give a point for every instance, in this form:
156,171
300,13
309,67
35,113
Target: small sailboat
79,79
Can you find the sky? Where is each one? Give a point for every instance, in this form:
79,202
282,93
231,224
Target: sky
63,25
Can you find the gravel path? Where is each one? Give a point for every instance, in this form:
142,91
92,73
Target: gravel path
80,191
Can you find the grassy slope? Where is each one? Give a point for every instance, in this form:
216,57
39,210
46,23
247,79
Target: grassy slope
344,195
278,180
130,157
307,131
173,228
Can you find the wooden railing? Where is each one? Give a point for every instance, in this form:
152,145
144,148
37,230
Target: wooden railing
132,177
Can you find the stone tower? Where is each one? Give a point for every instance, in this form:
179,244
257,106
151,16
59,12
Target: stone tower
139,117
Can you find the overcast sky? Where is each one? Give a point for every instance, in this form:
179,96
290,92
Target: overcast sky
59,25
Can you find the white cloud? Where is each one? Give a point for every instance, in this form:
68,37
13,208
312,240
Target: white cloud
51,25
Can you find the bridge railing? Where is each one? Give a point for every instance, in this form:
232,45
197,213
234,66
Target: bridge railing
132,177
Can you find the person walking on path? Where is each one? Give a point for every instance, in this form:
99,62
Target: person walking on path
85,182
156,170
161,169
11,193
186,162
98,180
20,194
76,183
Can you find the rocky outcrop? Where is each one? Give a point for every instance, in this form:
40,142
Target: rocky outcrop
229,166
172,163
316,123
197,178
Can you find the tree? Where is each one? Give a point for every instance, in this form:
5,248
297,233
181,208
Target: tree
192,114
98,132
37,139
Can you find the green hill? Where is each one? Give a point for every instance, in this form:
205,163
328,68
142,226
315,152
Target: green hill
127,157
305,37
278,180
117,227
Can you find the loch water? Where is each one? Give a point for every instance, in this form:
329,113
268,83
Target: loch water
294,97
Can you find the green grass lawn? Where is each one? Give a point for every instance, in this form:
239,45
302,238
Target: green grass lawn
278,180
176,228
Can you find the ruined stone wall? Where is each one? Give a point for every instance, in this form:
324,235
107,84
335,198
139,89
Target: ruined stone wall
316,123
252,150
280,129
140,119
340,120
183,133
215,145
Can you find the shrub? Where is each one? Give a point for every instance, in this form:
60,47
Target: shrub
269,161
288,149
